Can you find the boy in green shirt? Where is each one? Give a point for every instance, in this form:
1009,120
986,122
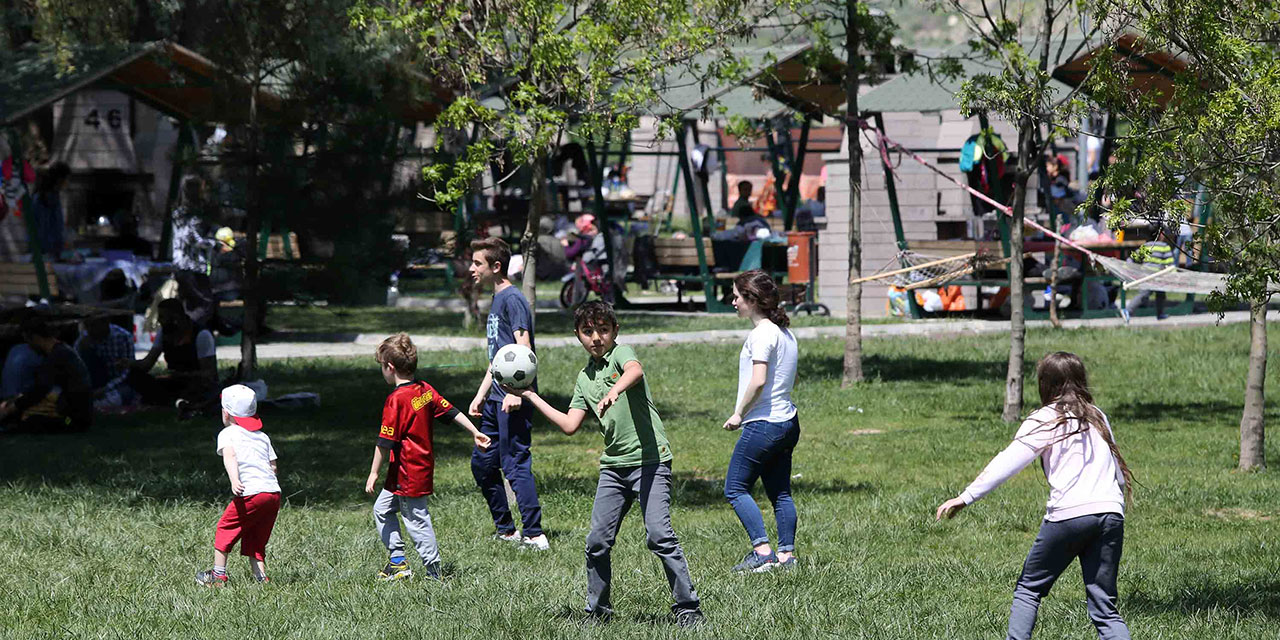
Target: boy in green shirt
636,462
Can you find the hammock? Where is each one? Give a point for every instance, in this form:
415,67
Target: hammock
1131,275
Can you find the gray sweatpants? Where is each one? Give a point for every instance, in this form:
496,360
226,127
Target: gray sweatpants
416,519
618,488
1097,540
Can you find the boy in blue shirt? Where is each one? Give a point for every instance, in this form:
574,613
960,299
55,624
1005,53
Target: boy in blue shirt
503,417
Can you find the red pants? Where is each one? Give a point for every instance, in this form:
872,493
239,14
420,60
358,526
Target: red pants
249,520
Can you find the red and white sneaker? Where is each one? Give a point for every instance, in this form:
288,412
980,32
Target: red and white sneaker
209,579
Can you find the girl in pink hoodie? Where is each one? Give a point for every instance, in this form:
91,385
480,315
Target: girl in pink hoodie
1089,483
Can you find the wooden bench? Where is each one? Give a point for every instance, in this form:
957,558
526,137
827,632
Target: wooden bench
18,280
677,259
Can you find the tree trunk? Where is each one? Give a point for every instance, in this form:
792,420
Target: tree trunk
853,295
1017,287
1053,287
1252,454
529,241
253,226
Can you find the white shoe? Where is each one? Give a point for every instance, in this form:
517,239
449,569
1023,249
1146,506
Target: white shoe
537,543
514,536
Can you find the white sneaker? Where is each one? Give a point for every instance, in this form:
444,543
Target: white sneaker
514,536
537,543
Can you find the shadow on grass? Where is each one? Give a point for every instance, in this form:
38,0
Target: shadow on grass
1199,594
1157,412
696,491
905,369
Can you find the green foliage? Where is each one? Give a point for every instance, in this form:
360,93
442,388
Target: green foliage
526,72
1216,136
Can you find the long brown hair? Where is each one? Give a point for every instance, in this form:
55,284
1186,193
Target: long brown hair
756,287
1064,383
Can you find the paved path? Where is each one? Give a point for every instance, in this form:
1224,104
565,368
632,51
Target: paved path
363,344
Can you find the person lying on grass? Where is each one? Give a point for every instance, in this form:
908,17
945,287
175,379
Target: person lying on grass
1089,482
636,462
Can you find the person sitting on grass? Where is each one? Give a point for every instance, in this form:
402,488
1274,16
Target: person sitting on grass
106,349
635,463
1088,484
250,461
769,421
61,400
408,417
191,355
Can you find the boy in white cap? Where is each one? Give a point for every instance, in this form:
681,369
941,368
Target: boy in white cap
250,462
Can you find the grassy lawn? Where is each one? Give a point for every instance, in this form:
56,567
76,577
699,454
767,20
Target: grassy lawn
327,319
104,531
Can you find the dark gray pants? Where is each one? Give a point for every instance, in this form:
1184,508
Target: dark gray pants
1095,539
618,488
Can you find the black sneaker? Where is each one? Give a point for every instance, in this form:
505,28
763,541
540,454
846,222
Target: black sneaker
791,563
432,571
395,571
756,563
599,617
689,618
209,579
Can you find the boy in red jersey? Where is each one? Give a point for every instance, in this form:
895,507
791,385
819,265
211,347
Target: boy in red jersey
405,438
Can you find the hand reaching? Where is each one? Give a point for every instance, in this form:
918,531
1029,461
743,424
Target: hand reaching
949,509
482,441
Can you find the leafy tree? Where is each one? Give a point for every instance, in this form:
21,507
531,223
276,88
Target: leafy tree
1216,135
556,69
1024,42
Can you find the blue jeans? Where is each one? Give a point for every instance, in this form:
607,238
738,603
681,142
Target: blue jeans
764,451
509,456
1097,540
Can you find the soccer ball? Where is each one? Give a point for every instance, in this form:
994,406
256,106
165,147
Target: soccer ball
515,366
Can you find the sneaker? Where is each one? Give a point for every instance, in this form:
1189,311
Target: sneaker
688,618
789,564
262,580
432,571
599,617
1124,313
395,571
756,563
514,536
208,579
537,543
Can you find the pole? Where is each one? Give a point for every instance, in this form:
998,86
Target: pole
713,304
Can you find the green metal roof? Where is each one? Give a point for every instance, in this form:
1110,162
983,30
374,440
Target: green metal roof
921,91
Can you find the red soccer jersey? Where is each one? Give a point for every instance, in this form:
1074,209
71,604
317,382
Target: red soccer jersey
406,431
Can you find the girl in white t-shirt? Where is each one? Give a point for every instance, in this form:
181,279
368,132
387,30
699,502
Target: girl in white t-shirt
1089,482
769,422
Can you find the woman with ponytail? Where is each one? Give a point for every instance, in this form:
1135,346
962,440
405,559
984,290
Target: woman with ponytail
769,422
1089,483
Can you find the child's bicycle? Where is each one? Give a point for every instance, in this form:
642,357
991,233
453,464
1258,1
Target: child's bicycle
584,280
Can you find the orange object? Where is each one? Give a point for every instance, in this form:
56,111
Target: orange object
952,298
799,244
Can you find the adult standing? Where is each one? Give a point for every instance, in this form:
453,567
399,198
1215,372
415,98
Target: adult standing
46,210
769,421
191,253
504,417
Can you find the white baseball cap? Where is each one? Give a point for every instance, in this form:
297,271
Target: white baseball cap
241,403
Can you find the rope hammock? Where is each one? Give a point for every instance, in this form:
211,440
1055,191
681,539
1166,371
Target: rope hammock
1131,275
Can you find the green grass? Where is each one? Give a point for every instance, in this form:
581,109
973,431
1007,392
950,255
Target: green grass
103,532
328,319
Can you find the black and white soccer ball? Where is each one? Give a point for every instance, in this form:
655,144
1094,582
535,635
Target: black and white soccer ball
515,365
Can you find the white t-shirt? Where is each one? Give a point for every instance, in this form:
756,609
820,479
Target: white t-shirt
206,347
777,347
253,455
1084,478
